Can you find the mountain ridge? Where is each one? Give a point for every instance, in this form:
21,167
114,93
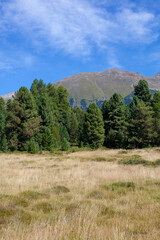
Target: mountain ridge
98,86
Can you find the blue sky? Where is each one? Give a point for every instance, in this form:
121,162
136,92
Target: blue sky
53,39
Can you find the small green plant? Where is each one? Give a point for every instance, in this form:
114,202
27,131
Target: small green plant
20,202
99,159
44,207
33,147
32,195
137,160
6,211
133,160
96,195
65,144
24,217
117,185
123,152
108,211
60,189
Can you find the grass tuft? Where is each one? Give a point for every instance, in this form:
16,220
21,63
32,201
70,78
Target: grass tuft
96,195
32,195
60,189
45,207
117,185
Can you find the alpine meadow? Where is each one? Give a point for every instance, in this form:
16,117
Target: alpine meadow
71,174
79,120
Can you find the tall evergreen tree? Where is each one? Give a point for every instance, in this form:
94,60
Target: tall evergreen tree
142,91
80,116
45,110
93,127
64,107
23,121
156,109
3,140
74,128
115,119
141,127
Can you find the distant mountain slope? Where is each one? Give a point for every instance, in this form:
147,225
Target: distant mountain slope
85,88
8,96
98,86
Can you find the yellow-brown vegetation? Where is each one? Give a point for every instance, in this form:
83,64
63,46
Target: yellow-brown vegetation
80,196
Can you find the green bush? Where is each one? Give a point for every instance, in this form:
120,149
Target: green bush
33,147
65,144
133,160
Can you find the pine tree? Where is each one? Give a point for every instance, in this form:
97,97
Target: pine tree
142,91
74,128
93,127
48,140
45,110
23,122
63,132
115,120
3,139
13,121
34,88
65,144
156,109
64,107
141,127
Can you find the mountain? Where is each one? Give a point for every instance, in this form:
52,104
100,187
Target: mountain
85,88
98,86
8,96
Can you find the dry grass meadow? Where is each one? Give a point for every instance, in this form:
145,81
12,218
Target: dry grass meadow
89,195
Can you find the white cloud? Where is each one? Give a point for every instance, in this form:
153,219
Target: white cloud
11,61
74,26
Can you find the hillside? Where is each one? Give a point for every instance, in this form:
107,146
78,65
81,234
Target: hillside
97,86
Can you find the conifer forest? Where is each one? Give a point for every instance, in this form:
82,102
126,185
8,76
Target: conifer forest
41,119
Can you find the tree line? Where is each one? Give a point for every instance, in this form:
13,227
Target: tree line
42,120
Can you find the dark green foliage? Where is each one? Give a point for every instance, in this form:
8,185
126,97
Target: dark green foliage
156,110
48,140
141,131
45,110
54,99
3,140
115,120
64,107
38,87
93,130
80,116
4,144
142,91
33,146
132,107
74,128
63,132
65,144
137,160
56,135
83,104
43,120
22,122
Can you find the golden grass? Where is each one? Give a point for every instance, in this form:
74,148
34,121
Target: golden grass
81,195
